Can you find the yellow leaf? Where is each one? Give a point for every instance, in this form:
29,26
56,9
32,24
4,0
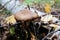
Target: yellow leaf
47,8
10,19
54,25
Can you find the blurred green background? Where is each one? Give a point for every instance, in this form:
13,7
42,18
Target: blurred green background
55,3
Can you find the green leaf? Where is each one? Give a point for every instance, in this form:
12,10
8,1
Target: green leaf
12,30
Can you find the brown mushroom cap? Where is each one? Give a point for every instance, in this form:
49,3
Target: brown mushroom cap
25,15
